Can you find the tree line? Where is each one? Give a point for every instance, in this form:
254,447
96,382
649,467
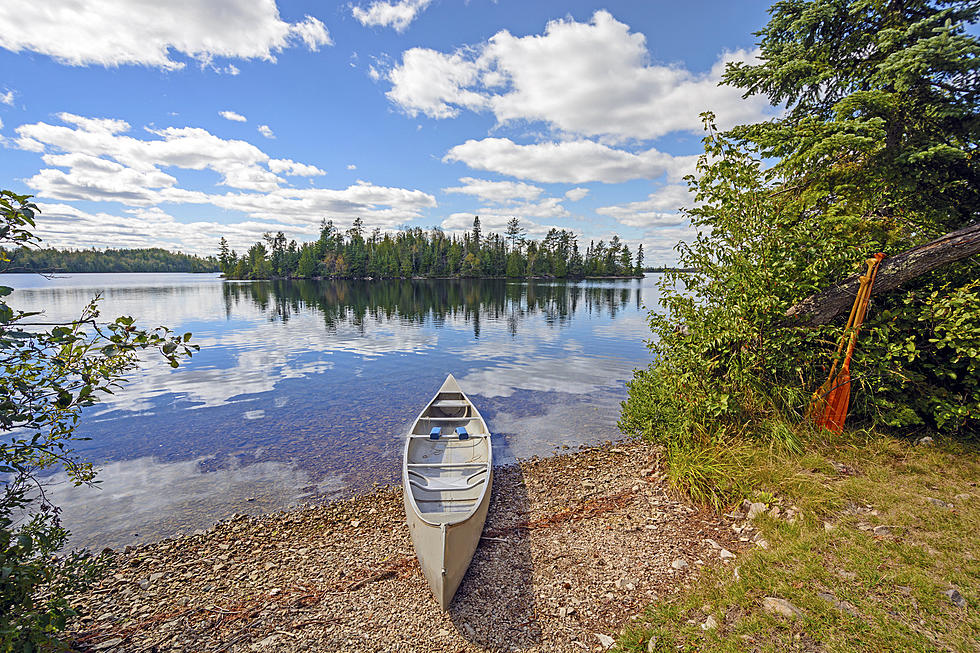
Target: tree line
153,259
415,252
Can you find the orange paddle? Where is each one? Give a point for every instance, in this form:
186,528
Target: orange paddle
834,396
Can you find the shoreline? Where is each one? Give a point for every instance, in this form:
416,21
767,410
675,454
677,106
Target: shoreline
575,546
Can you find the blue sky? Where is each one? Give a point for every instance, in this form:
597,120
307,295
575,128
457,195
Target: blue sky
140,123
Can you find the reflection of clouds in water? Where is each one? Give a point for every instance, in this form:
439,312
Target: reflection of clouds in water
156,498
576,374
630,326
262,354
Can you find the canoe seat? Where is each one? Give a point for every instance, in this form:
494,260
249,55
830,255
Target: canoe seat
449,404
442,483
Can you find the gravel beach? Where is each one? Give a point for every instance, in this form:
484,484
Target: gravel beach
575,546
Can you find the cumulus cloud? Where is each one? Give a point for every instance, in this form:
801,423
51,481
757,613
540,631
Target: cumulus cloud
496,191
148,32
292,168
575,194
266,131
231,115
660,208
573,162
96,159
397,15
590,79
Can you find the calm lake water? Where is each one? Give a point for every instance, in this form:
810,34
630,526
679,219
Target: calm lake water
302,390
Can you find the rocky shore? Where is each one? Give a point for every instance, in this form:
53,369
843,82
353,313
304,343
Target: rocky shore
574,547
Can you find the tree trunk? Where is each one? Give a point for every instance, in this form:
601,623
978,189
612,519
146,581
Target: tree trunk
893,272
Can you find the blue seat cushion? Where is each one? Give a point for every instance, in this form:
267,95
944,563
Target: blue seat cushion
461,432
435,433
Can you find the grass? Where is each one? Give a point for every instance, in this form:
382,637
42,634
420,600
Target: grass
891,585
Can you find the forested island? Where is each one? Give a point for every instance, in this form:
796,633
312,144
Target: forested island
431,254
153,259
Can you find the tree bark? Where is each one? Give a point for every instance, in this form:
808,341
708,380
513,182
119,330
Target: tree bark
894,271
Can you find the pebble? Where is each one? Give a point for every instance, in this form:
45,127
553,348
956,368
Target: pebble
725,554
955,598
652,645
939,503
709,624
843,606
882,530
755,510
605,640
109,643
925,441
776,605
679,563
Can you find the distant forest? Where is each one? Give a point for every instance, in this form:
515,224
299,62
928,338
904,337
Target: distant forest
108,260
432,254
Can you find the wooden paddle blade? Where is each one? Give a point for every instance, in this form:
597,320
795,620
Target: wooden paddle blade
838,400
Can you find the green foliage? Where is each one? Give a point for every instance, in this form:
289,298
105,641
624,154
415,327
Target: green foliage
48,377
154,259
417,253
876,152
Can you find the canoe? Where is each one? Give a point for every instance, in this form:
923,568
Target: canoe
447,471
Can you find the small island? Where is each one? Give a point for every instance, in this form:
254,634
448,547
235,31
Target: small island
416,253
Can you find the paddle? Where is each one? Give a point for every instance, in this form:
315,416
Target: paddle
835,394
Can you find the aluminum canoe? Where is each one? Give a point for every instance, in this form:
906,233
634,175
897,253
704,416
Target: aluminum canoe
447,472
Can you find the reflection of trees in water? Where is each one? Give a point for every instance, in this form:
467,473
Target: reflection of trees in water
432,301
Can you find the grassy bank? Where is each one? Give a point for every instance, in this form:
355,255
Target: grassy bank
880,532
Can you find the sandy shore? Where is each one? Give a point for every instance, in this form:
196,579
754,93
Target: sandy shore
574,547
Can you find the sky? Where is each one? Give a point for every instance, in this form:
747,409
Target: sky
140,123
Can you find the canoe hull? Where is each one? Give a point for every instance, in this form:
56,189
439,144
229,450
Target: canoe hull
444,551
447,474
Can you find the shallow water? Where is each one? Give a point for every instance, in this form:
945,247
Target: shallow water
302,390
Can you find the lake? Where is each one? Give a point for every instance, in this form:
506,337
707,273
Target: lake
302,390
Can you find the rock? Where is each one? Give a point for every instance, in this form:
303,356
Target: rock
680,563
712,544
109,643
469,630
755,510
774,512
962,498
924,441
939,503
725,554
154,577
652,645
843,606
564,612
955,598
827,526
737,575
605,640
709,624
782,607
266,643
882,530
761,543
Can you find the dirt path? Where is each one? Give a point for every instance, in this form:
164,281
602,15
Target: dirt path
574,546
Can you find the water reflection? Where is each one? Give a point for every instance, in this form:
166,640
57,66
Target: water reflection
317,381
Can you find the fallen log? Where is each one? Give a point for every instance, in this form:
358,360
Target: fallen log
894,271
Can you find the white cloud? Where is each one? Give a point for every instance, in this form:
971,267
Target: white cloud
434,83
292,168
496,191
231,115
590,79
7,98
660,208
266,131
351,166
397,15
94,159
148,32
575,194
574,162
